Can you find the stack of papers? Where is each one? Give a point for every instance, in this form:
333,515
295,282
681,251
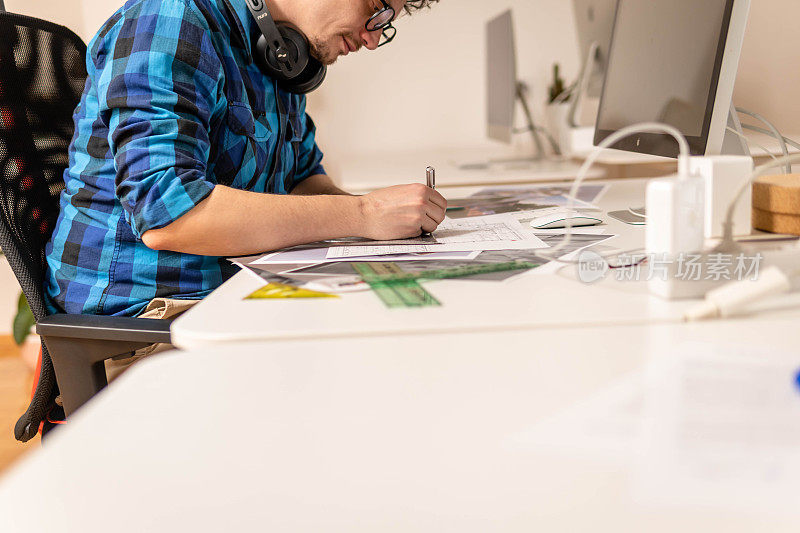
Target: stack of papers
320,255
500,232
493,226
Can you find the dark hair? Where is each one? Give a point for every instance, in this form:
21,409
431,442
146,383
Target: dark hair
414,5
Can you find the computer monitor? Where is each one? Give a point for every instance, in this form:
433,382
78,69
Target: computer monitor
594,22
501,79
503,89
675,62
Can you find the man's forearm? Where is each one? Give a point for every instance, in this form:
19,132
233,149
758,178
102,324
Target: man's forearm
232,222
317,184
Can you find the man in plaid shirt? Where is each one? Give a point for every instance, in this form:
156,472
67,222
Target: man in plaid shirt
185,152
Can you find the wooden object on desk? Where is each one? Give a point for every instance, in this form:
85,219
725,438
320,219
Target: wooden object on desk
776,204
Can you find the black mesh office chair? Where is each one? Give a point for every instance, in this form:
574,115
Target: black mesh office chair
42,75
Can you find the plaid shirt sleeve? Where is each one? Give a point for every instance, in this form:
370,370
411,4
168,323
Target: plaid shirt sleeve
309,158
158,102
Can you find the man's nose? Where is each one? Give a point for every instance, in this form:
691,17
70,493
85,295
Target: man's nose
371,39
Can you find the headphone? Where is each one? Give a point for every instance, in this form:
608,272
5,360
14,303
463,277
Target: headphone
282,52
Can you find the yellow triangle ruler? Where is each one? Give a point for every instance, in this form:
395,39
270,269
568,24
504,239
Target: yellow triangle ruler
277,291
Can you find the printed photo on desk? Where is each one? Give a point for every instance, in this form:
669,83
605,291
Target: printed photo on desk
498,200
343,269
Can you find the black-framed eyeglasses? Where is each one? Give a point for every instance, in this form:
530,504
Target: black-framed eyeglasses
382,20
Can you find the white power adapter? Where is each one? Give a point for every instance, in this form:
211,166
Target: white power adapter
675,225
678,220
724,176
675,213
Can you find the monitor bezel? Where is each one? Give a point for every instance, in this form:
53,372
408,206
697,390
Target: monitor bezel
725,69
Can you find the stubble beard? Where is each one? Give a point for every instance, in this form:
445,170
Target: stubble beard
322,52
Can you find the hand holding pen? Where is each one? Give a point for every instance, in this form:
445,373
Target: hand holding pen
402,211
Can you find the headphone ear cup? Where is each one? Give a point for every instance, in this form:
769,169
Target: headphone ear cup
310,79
307,78
296,47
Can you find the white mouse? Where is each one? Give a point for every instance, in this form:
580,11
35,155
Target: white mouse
559,220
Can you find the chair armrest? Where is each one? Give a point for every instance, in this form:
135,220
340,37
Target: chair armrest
97,327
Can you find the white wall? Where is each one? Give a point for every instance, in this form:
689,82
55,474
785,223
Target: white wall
769,72
427,88
95,14
68,13
432,76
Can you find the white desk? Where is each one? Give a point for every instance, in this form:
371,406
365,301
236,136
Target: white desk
359,172
532,301
426,433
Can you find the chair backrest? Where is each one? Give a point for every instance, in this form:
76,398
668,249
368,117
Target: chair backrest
42,76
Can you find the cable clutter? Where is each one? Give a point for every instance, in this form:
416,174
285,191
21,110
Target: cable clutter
709,197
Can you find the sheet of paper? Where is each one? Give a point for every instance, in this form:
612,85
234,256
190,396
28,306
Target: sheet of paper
563,202
321,255
705,424
572,251
353,252
500,232
548,194
525,218
726,430
332,284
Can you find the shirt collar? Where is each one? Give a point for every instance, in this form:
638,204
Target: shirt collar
242,23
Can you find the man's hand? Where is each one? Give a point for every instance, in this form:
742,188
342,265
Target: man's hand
402,212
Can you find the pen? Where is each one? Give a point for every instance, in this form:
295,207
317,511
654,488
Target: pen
430,177
430,181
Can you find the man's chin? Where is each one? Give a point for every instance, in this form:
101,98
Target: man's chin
329,61
323,54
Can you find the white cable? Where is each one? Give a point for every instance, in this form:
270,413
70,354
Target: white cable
752,142
772,128
647,127
787,140
733,298
728,243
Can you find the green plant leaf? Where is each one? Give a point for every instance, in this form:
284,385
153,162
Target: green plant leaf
23,321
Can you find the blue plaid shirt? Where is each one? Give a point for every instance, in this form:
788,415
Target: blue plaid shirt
173,105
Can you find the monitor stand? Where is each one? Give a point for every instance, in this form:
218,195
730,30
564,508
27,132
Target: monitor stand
581,93
537,163
735,143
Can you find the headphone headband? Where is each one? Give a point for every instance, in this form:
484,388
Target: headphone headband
282,51
260,12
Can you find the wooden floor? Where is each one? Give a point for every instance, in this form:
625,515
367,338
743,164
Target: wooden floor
15,387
